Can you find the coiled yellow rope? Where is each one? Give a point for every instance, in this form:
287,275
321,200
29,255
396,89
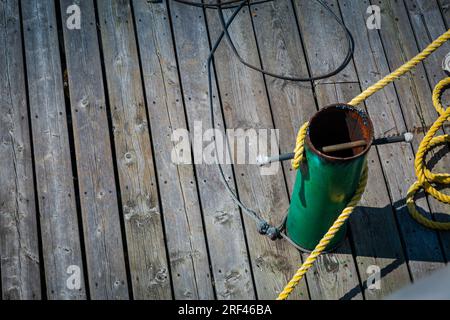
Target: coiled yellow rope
425,177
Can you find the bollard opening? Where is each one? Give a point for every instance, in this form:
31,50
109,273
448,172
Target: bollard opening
338,124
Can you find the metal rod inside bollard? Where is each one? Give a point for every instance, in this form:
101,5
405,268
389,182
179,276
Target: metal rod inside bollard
344,146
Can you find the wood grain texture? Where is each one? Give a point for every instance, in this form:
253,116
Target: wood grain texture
334,275
427,23
134,156
179,198
445,10
373,226
226,240
98,194
57,208
281,52
20,275
246,106
413,89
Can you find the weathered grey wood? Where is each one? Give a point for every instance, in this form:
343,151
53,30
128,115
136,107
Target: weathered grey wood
57,209
422,245
323,31
382,247
246,106
20,275
179,198
281,52
226,240
143,221
413,90
98,194
292,103
427,23
445,9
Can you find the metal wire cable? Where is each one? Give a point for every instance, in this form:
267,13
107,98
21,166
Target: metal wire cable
235,198
263,226
348,57
221,5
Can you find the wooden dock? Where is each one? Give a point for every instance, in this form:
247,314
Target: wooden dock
91,204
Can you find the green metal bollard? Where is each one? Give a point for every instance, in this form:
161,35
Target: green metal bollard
325,183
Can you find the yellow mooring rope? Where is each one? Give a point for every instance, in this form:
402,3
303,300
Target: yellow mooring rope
425,177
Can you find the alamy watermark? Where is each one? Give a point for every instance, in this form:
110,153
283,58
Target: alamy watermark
373,22
374,277
73,282
73,21
235,146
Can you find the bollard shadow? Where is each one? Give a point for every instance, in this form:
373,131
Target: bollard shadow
437,154
304,176
391,233
377,233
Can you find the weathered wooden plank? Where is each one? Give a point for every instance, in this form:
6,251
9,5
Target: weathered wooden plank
57,209
20,275
445,9
334,274
380,244
427,23
281,52
246,106
413,90
232,271
139,195
422,245
322,31
98,194
179,198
